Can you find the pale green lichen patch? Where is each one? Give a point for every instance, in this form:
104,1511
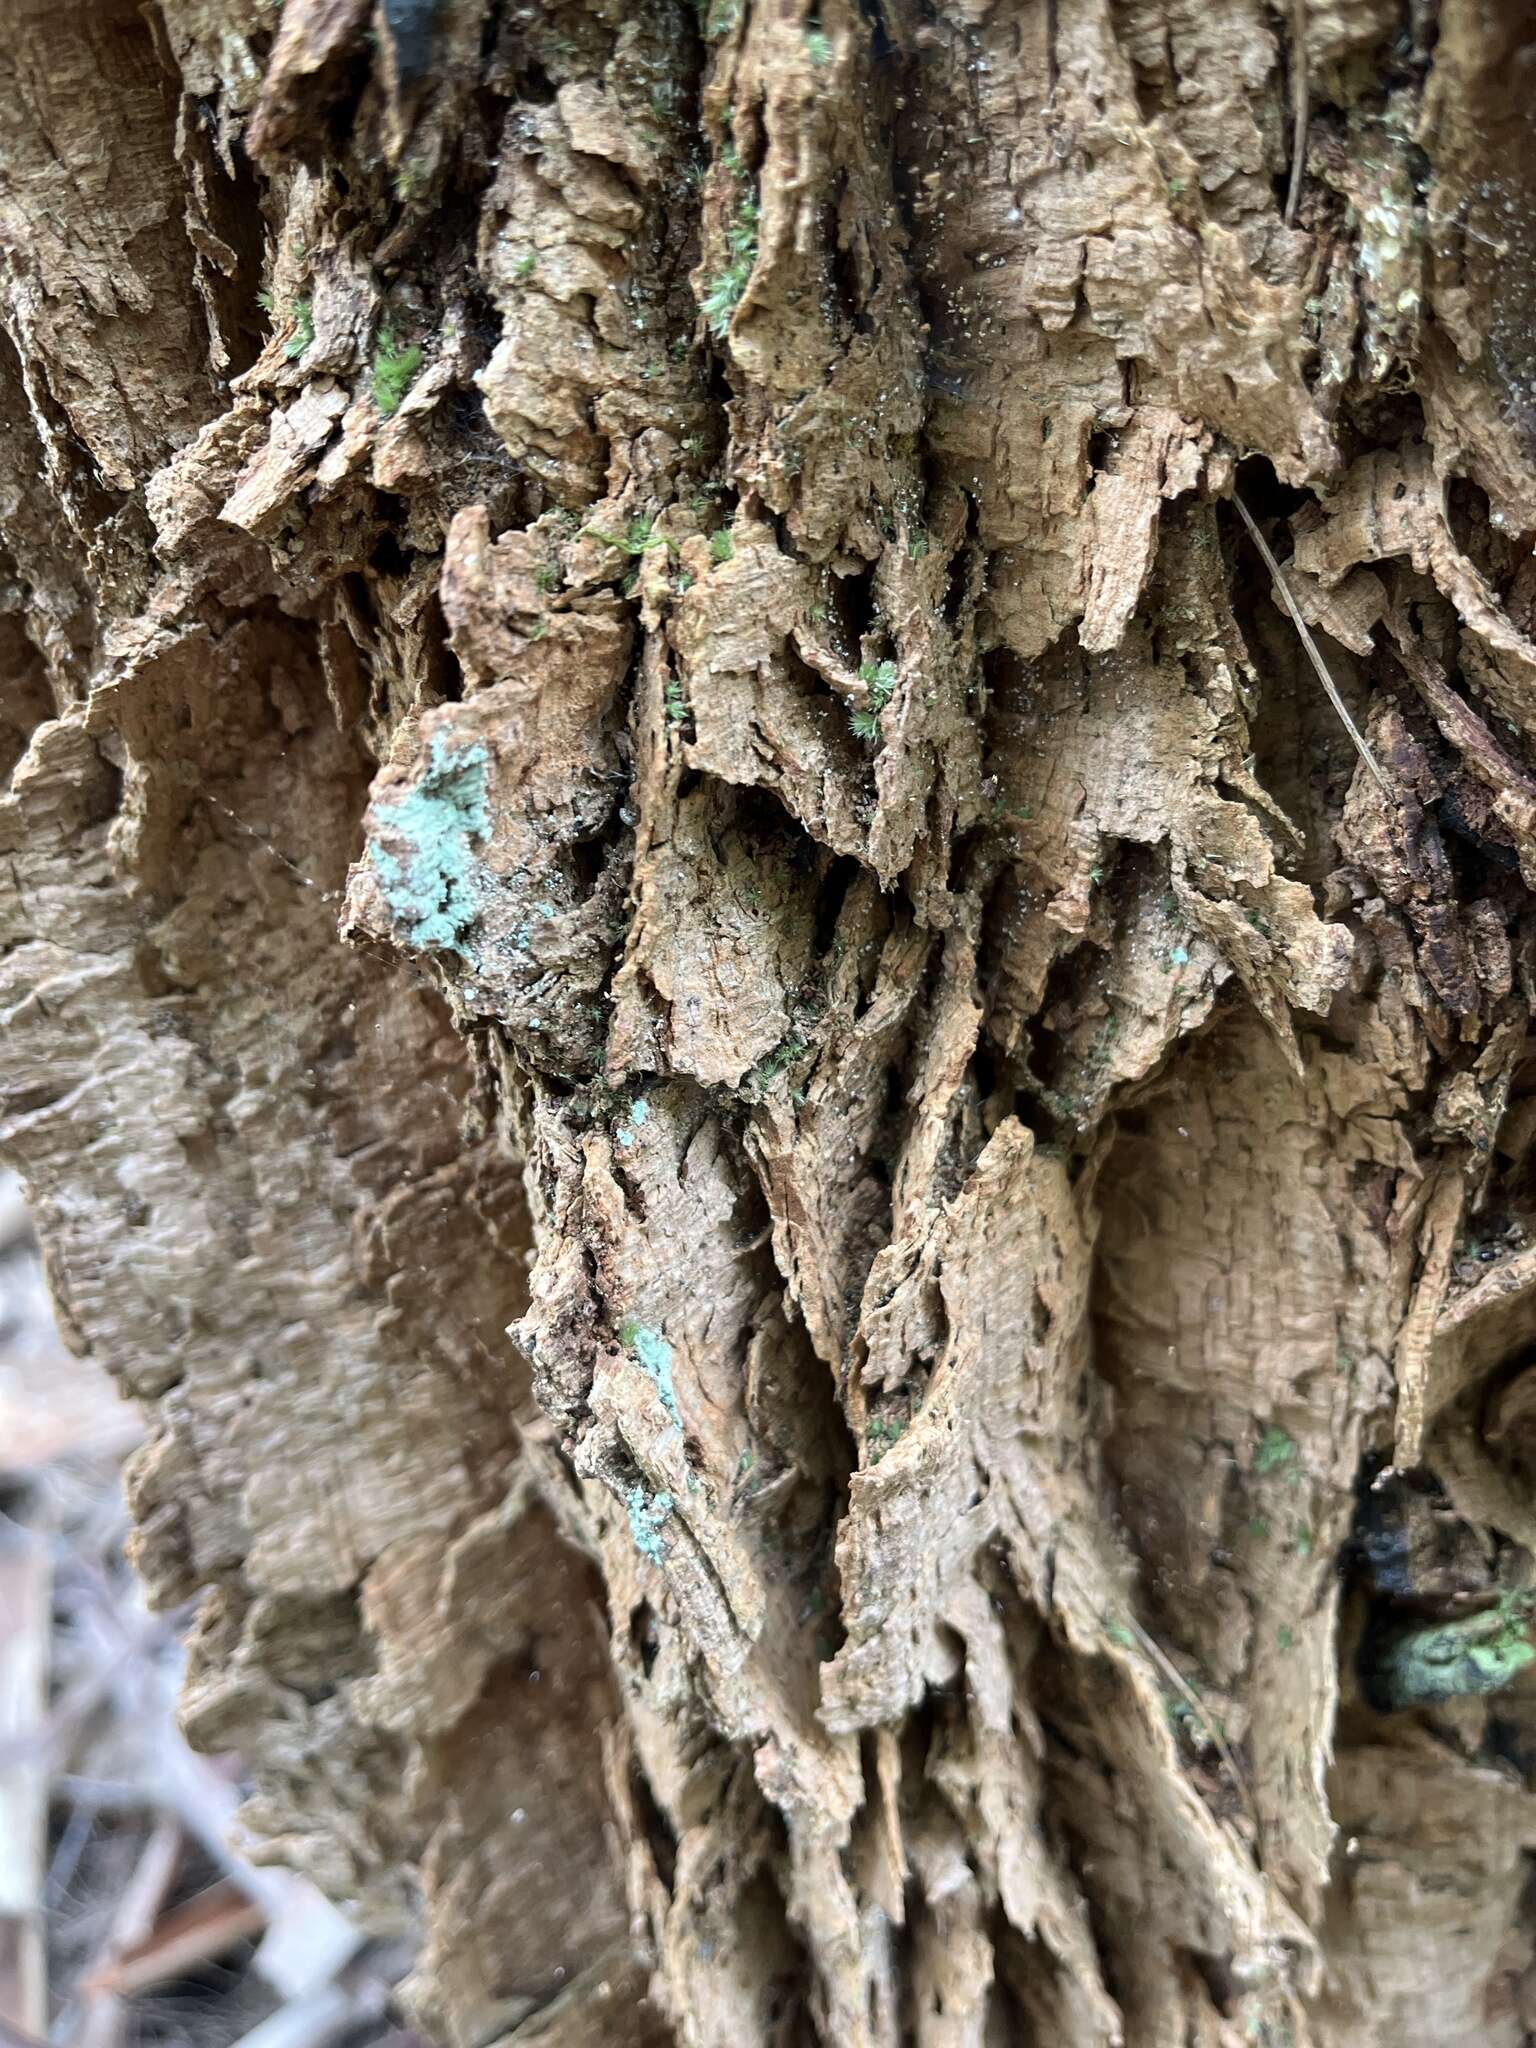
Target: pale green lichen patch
653,1354
647,1513
1479,1654
432,883
639,1110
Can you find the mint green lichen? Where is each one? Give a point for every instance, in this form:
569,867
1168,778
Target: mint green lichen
1456,1659
647,1512
639,1110
433,886
653,1354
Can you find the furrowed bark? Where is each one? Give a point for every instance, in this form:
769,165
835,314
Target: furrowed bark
824,1213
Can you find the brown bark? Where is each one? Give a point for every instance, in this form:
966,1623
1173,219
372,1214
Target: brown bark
824,1212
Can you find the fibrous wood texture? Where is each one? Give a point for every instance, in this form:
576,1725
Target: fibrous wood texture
823,1212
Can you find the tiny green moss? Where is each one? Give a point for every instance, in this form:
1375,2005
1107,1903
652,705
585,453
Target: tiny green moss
394,369
303,330
726,288
721,546
880,679
818,47
783,1056
1275,1450
638,538
525,266
882,1433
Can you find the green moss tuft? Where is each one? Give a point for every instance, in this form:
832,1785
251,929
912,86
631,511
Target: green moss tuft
726,288
394,369
638,538
1276,1450
303,330
879,679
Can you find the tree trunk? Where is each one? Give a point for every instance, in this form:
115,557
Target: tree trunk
821,1200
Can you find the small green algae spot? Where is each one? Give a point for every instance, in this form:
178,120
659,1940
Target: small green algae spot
1275,1451
433,886
653,1354
394,369
1456,1659
647,1513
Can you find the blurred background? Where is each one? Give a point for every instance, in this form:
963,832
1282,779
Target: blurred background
129,1911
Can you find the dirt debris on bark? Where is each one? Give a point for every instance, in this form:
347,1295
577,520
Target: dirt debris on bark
700,992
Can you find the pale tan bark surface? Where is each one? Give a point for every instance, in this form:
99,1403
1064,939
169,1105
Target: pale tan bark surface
823,1212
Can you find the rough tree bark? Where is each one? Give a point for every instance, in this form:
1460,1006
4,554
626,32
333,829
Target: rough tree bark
822,1210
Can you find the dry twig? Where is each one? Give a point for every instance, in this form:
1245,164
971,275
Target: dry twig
1314,653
